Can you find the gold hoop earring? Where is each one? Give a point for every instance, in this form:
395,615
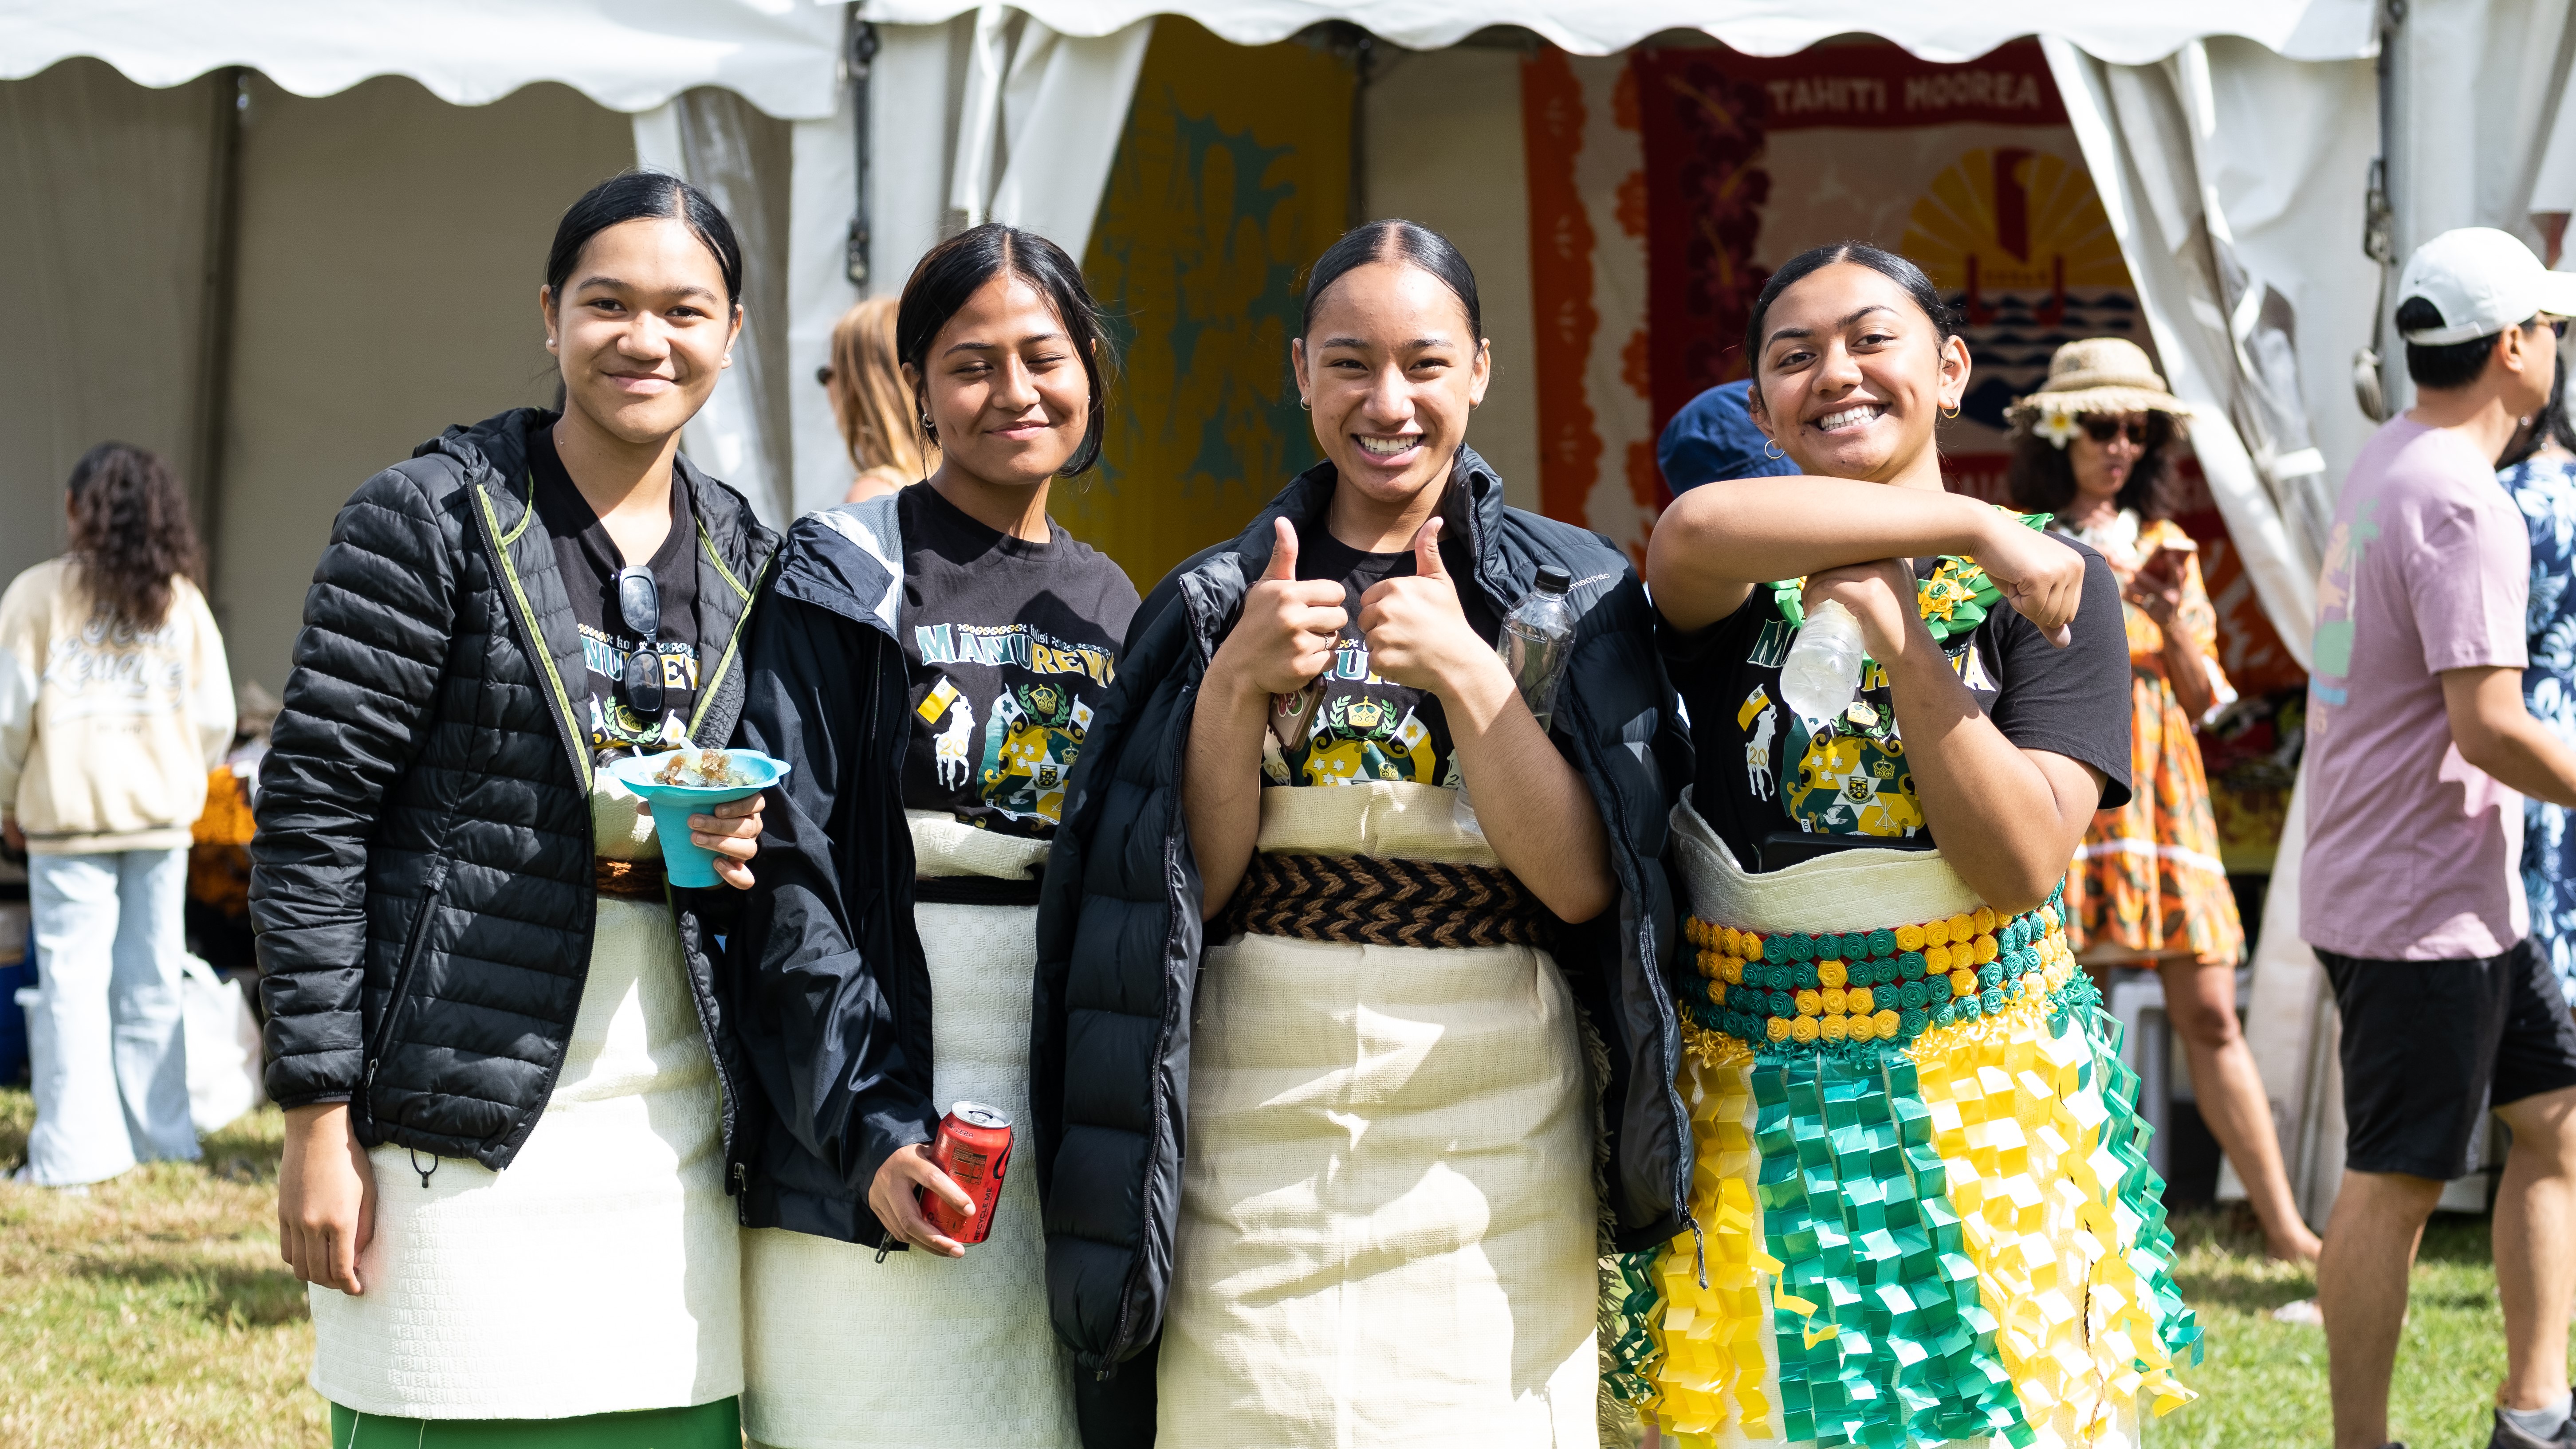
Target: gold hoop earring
1951,412
1771,449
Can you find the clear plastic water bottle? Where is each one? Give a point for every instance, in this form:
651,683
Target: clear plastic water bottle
1821,676
1536,641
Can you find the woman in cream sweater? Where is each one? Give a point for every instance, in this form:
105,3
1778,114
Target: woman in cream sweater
114,702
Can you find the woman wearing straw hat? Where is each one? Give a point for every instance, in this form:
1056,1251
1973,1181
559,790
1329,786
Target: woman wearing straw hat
2094,447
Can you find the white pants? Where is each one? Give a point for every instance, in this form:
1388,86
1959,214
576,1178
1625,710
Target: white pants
111,1067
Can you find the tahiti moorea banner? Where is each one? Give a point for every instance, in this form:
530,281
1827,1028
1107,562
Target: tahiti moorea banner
1665,185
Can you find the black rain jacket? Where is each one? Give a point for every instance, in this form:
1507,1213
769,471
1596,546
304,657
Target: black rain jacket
827,986
1120,936
421,878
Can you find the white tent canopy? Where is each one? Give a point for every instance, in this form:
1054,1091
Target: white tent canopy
1958,30
782,55
628,55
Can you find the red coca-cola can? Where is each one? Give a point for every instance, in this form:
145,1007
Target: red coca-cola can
974,1149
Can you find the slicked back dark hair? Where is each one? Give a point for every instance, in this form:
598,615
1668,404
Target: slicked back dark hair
643,196
1905,274
957,268
130,532
1394,240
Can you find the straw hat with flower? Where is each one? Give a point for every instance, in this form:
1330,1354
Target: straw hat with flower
2096,375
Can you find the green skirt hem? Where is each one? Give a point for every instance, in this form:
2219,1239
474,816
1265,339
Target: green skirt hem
706,1426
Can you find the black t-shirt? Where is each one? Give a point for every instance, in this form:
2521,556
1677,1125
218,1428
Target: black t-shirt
1761,772
1367,728
590,562
1008,646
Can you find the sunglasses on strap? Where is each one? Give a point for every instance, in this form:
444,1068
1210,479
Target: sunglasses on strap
639,603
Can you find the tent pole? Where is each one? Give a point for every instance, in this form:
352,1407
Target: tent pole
2371,375
2395,180
861,59
215,313
1363,62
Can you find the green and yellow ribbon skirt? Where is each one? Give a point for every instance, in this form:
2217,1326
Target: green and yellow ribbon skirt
1927,1208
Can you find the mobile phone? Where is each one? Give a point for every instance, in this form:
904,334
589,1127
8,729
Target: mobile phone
1784,848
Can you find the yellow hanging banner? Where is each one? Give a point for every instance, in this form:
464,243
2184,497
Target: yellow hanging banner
1233,175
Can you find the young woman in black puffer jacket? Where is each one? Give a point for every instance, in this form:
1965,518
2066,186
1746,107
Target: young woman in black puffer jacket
493,1027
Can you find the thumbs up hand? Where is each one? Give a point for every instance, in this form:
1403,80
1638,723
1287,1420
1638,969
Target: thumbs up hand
1286,633
1417,634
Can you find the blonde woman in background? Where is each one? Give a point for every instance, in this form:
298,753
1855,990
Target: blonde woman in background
871,404
115,698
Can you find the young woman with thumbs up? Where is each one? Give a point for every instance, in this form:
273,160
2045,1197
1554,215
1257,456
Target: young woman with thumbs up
1341,1088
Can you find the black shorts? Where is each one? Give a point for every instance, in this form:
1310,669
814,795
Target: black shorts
2429,1047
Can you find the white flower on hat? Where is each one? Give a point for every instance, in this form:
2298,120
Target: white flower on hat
2057,427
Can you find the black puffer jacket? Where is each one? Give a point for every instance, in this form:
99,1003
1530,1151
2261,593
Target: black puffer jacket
1119,934
421,879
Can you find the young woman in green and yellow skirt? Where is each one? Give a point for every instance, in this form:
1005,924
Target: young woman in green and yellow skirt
1924,1206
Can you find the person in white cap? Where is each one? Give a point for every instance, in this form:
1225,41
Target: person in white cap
2418,743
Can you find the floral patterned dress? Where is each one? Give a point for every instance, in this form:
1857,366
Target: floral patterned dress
2545,489
2148,880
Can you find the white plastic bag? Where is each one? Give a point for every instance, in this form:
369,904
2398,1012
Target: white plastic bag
223,1046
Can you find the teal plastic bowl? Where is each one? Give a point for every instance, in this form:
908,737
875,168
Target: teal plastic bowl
683,860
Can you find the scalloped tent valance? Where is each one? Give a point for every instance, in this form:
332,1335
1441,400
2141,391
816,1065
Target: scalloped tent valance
783,55
628,55
1943,30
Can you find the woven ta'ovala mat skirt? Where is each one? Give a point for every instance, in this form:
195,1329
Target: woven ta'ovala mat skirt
1387,1210
844,1352
1939,1227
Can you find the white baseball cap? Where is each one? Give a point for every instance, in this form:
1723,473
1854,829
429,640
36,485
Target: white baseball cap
2482,281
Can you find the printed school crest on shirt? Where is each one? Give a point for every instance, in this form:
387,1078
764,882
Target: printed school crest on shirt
1033,726
1762,772
1009,645
1365,729
614,724
1847,775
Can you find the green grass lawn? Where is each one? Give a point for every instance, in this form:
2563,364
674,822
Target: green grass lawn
2263,1382
155,1311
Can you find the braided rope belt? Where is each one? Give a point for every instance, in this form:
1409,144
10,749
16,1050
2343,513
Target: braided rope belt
1375,901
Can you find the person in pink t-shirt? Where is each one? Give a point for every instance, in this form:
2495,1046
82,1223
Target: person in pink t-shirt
2418,743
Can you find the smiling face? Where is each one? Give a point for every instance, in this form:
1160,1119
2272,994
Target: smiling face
1003,386
1391,370
1853,376
642,329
